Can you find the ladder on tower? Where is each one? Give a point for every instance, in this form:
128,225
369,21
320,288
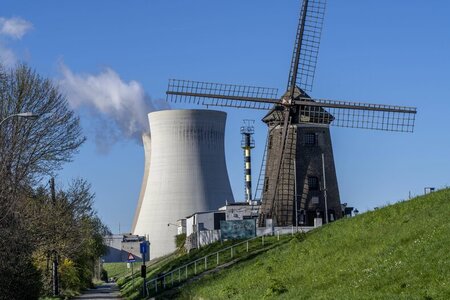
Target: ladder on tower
285,205
262,173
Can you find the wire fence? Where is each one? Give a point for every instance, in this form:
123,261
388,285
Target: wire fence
211,261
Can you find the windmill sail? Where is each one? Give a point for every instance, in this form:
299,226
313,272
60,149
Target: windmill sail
307,42
316,111
219,94
357,115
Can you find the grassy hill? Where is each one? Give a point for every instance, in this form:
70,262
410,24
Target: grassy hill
131,287
400,251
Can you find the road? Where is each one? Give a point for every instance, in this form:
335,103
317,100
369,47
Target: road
104,292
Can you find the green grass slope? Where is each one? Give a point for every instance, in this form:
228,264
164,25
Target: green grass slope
116,270
401,251
130,287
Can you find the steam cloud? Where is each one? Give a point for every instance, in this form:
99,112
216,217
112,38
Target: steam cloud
119,109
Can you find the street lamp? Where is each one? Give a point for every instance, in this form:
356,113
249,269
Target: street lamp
171,224
27,115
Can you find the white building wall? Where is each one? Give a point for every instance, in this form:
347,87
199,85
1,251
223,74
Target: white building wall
187,173
207,219
190,222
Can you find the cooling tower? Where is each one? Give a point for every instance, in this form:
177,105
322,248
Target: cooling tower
185,173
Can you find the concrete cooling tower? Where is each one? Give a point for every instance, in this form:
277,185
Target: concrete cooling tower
185,172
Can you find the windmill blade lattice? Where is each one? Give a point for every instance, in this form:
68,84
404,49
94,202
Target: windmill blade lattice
219,94
357,115
307,42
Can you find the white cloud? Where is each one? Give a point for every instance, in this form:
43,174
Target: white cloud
119,108
14,27
11,28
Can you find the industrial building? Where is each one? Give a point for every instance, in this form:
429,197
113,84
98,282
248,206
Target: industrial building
119,246
185,172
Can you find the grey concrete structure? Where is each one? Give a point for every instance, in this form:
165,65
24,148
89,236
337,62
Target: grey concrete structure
185,173
147,143
120,245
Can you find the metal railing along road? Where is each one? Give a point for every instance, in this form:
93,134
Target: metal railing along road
209,262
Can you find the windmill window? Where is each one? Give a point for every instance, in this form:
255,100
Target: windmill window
310,139
270,141
313,183
266,184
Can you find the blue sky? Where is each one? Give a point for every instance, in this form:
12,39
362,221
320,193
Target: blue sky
387,52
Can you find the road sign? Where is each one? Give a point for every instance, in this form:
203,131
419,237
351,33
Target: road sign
144,247
131,258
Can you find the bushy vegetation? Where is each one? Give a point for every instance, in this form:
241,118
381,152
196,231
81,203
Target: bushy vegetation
68,228
38,224
180,240
397,252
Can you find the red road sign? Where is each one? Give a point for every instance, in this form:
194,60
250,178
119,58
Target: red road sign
131,258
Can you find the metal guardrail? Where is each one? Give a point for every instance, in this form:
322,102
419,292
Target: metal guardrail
200,265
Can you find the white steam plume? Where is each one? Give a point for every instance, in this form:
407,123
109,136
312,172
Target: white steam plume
119,109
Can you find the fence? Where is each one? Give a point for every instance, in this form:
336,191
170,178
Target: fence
211,261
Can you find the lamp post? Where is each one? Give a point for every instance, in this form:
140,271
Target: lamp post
28,115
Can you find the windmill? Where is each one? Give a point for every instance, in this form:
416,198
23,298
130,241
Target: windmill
299,156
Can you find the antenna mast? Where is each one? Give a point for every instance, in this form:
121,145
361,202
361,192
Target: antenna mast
248,143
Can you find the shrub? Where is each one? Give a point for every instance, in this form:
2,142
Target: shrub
104,275
180,239
69,275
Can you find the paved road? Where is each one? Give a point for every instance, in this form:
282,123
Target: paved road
104,292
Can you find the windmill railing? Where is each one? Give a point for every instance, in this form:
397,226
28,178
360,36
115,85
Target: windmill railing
213,260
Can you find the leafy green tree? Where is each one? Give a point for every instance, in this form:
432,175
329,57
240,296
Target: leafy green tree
29,151
70,227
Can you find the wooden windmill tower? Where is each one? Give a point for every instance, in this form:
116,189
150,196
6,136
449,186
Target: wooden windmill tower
299,150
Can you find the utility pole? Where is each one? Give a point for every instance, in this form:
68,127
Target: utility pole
55,283
296,196
144,249
325,189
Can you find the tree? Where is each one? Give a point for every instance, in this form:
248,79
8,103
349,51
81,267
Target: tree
69,227
29,150
19,278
